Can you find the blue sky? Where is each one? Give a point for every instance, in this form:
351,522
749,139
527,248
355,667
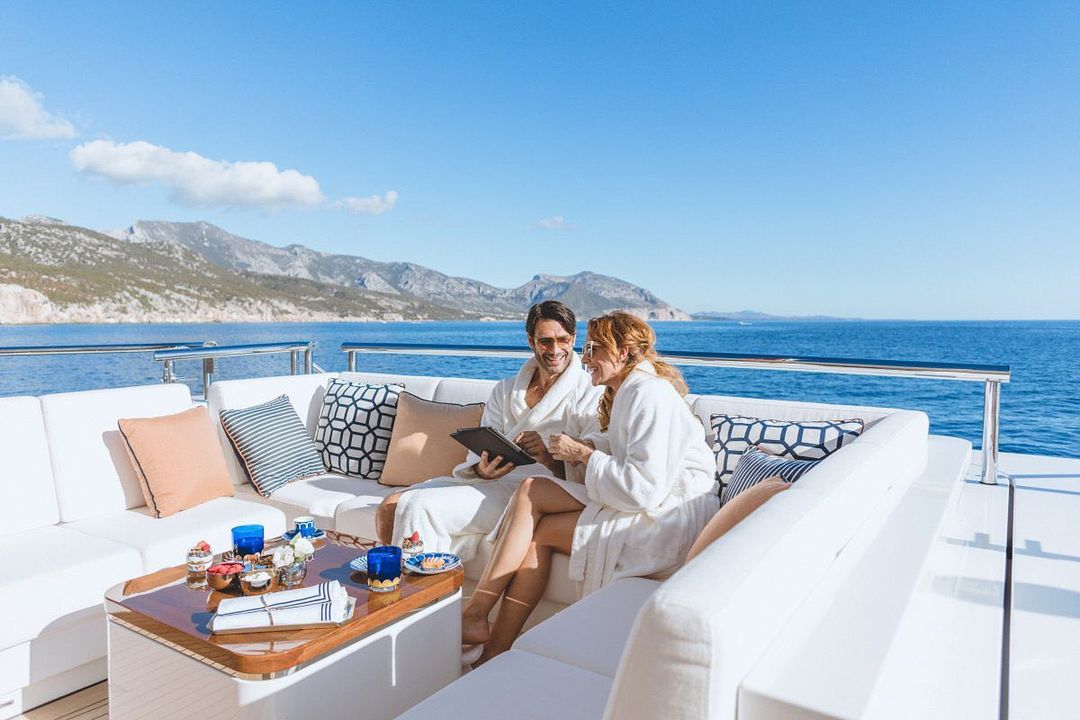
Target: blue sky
916,160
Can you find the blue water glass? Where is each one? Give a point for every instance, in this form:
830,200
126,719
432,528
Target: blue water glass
384,568
247,539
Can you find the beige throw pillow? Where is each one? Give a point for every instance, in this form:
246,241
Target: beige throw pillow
178,460
735,511
421,447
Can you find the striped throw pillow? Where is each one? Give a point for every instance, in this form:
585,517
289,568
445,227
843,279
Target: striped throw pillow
272,443
755,466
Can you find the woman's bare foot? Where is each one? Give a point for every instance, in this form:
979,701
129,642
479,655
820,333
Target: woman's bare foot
474,630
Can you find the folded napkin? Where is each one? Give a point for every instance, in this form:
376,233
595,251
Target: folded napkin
324,603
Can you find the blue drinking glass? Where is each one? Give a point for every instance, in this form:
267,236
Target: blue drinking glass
384,568
247,539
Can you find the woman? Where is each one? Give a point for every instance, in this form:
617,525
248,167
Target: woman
649,489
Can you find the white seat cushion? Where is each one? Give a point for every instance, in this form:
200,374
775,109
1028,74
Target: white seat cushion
521,686
592,633
357,516
163,542
319,496
26,481
90,461
53,572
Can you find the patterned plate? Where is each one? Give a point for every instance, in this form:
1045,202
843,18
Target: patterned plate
359,564
290,534
451,561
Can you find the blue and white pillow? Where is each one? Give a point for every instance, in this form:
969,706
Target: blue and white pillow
272,443
755,466
794,439
355,424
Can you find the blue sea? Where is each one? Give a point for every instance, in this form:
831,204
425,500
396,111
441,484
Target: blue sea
1039,407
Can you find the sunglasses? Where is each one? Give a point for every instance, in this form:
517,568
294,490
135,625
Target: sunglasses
588,350
550,343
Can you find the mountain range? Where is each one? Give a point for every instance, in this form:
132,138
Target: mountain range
155,271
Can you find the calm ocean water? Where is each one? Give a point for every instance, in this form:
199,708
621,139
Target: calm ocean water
1039,408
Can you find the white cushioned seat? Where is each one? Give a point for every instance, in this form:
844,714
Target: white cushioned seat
319,496
90,462
26,483
53,572
521,686
357,516
591,633
163,542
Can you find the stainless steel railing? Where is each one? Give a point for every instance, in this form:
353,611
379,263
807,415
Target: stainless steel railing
94,349
992,376
210,356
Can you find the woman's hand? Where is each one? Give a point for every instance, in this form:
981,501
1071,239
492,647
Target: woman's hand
568,449
490,469
531,442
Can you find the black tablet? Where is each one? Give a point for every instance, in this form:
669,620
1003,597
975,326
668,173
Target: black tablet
479,439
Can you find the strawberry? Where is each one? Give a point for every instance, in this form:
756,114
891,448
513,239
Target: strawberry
203,545
415,537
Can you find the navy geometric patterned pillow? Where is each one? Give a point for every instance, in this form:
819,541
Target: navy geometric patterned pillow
355,424
755,466
272,443
795,439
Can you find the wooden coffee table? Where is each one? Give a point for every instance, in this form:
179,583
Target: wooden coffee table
397,649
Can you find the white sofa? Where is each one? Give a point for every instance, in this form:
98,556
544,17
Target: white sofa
82,526
76,523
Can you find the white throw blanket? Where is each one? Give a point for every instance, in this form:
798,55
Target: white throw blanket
325,603
650,491
453,514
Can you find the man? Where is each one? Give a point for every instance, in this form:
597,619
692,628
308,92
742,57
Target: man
550,394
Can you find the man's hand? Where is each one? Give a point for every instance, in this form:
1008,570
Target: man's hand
565,448
492,469
531,442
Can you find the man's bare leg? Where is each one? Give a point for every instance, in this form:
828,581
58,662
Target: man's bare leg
384,517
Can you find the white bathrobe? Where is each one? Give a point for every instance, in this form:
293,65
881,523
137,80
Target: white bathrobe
453,514
649,492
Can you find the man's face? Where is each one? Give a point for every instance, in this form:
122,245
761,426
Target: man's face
552,346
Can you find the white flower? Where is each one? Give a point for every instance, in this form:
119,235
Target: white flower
302,547
283,556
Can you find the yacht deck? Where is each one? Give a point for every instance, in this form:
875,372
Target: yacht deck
943,656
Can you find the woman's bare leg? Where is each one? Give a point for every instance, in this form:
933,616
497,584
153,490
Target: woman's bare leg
535,498
553,533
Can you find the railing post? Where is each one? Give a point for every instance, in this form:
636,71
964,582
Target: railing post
991,411
166,372
292,362
352,360
309,359
207,372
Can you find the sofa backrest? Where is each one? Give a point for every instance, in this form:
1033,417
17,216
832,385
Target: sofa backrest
26,482
701,632
705,406
91,468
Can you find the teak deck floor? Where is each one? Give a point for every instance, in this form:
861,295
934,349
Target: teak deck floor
90,703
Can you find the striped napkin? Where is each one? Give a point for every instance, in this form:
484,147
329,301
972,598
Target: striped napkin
325,603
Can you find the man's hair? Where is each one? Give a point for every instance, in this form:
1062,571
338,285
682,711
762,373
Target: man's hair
551,310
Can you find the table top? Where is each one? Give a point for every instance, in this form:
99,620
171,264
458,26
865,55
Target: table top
163,607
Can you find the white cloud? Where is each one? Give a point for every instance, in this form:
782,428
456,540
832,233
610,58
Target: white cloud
373,205
196,180
555,222
23,118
